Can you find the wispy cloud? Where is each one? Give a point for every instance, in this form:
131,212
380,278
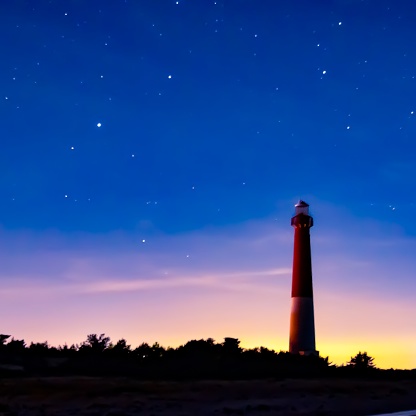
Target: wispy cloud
244,280
226,281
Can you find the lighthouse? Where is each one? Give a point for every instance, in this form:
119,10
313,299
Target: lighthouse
302,322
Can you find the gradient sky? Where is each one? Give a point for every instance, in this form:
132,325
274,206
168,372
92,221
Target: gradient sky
152,152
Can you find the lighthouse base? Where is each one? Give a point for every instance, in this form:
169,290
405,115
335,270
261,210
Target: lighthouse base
309,353
302,327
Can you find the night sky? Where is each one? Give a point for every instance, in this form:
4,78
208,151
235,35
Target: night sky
152,152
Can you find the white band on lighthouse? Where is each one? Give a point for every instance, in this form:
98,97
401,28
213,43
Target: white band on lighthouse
302,326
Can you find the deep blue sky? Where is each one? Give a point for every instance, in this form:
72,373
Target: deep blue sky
247,103
150,139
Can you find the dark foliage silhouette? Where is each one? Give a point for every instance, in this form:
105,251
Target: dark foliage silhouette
120,349
3,339
362,361
16,346
95,344
196,359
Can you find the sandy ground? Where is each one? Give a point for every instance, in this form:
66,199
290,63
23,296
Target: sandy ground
119,396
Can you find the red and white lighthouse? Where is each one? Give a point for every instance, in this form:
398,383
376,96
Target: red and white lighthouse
302,322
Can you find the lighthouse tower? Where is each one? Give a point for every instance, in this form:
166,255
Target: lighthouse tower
302,324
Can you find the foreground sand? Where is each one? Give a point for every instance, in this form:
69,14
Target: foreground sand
120,396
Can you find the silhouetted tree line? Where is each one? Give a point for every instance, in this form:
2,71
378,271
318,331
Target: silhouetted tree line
197,359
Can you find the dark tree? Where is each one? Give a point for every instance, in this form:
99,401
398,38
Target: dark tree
39,348
145,352
95,344
16,346
65,350
199,348
231,346
3,338
362,361
157,350
120,349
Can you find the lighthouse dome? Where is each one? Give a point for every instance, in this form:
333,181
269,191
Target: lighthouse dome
302,208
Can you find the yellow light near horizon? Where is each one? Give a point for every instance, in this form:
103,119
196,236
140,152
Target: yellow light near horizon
386,353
